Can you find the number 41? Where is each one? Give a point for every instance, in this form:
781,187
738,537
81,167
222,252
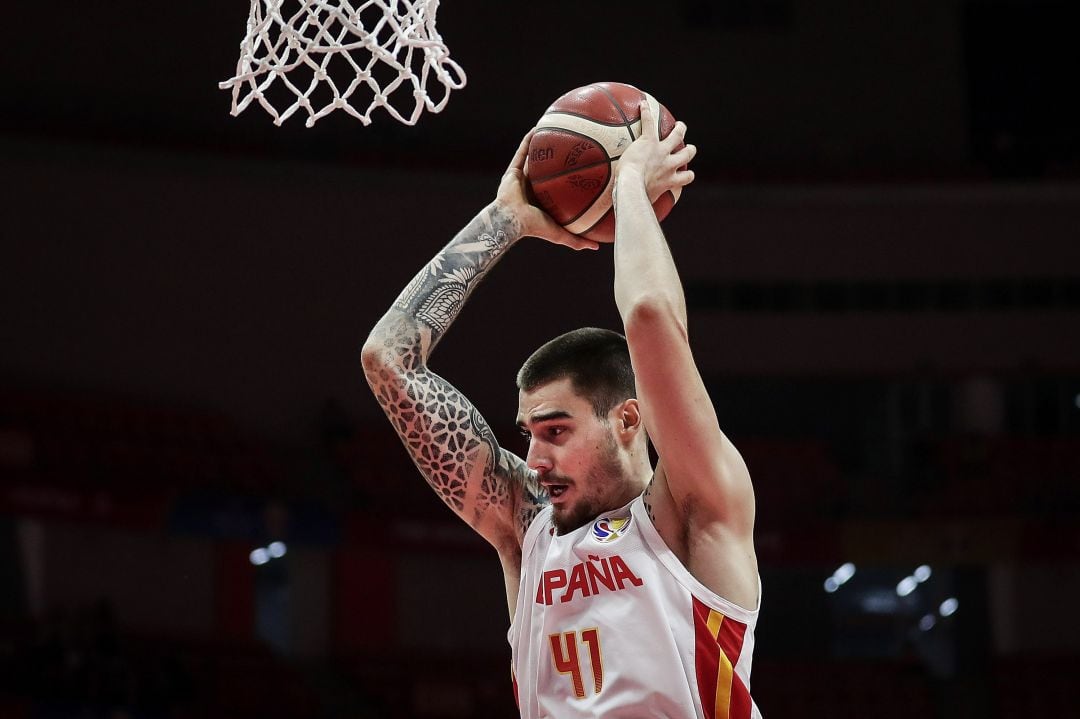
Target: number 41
564,654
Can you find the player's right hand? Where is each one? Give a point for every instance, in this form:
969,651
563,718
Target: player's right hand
511,197
660,163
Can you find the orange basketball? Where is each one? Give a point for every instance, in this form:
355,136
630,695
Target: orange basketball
572,154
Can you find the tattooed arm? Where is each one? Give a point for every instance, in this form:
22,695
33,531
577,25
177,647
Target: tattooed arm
447,438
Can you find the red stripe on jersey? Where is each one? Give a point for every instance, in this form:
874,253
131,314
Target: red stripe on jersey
513,680
740,699
731,643
731,639
706,659
716,656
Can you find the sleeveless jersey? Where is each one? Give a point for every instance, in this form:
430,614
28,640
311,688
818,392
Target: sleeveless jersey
609,623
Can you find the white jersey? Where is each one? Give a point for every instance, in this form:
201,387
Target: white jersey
609,623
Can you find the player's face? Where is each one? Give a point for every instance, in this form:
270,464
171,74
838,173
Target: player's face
574,453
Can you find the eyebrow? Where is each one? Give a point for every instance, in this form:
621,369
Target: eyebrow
546,417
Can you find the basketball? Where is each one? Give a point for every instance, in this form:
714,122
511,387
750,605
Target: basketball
572,155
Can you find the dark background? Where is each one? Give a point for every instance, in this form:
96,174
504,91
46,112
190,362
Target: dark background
882,268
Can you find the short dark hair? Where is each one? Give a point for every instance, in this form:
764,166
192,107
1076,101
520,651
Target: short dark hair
596,361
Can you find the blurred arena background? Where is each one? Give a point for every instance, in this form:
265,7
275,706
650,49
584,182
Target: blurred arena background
203,513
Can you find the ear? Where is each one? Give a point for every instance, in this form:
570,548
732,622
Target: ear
628,417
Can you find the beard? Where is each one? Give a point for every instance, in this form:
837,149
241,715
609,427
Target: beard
568,518
600,485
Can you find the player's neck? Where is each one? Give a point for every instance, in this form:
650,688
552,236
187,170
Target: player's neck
637,481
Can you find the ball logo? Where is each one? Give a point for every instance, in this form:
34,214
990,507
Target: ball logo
540,154
584,183
576,152
608,529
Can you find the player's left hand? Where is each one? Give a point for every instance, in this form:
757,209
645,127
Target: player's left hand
658,161
512,198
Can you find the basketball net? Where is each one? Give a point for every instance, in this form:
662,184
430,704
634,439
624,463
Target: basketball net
375,49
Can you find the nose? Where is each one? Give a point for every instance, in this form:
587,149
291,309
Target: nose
537,459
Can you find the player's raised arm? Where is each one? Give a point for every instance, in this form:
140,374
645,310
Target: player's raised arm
447,438
699,463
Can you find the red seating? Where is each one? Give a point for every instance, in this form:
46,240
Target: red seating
415,685
1005,476
831,688
794,480
94,444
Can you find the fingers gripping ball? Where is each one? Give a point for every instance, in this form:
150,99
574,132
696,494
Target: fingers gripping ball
573,151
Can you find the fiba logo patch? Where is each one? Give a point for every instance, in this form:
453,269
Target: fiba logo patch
608,529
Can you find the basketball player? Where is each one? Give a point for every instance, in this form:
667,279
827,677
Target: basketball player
633,591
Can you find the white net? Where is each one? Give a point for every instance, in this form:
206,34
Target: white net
326,55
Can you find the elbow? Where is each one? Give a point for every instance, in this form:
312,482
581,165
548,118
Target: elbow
377,355
652,313
373,353
387,348
373,357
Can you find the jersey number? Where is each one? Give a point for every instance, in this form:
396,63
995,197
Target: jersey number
564,654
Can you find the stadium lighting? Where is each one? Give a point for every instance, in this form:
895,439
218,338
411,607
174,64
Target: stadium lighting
906,586
276,549
845,572
922,573
927,622
879,601
949,607
842,574
259,556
